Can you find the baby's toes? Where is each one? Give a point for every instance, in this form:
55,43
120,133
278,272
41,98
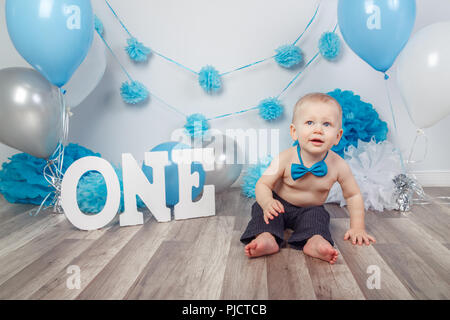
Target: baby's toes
251,245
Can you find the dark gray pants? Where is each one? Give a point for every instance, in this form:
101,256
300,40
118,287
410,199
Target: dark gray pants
306,222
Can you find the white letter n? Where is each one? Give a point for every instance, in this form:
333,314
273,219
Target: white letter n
136,183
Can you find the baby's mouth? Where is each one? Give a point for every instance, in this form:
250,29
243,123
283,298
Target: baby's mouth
316,141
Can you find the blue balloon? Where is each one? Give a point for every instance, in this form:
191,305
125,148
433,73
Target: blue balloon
171,173
54,36
377,30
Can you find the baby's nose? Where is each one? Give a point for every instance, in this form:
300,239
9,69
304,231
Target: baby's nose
318,128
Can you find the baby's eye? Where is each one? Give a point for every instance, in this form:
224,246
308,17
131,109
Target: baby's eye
327,124
309,123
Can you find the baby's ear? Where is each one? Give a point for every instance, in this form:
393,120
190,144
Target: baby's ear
293,132
339,136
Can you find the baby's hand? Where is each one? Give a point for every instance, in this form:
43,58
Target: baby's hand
271,209
358,235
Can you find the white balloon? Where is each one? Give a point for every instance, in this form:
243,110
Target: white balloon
424,74
88,75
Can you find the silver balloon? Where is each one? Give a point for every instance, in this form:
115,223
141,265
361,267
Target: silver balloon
31,112
227,169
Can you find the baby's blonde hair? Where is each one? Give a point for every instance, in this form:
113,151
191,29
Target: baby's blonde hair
316,97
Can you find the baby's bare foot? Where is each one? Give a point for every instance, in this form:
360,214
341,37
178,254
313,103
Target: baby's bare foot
318,247
263,244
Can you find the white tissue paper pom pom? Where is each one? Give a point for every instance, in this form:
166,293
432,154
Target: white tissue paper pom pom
374,166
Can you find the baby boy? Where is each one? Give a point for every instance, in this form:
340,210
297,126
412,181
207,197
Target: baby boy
293,189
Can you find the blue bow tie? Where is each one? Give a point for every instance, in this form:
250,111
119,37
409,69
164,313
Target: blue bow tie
319,169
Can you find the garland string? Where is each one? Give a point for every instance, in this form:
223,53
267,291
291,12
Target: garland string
115,57
298,74
307,26
221,74
219,116
132,80
175,62
225,73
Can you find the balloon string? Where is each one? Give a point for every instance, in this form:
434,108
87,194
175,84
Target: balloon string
419,133
53,170
386,77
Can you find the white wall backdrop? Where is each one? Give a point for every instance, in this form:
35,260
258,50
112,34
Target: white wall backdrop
228,34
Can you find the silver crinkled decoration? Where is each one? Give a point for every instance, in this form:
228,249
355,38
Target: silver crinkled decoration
405,188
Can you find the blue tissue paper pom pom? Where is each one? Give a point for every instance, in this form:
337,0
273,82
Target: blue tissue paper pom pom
288,55
133,92
252,175
209,79
92,192
22,181
136,50
360,121
270,109
330,45
196,125
98,25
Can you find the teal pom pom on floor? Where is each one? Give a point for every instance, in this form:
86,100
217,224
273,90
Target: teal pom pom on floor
22,181
136,50
133,92
209,79
252,175
360,121
270,109
92,192
288,56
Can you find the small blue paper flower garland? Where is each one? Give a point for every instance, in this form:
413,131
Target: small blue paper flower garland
196,125
209,79
330,46
133,92
270,109
136,50
288,56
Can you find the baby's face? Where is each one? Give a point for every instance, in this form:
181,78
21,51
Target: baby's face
317,126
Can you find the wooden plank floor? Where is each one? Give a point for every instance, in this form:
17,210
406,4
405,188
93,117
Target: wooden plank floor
204,259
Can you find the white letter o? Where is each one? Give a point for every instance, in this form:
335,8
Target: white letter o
69,193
